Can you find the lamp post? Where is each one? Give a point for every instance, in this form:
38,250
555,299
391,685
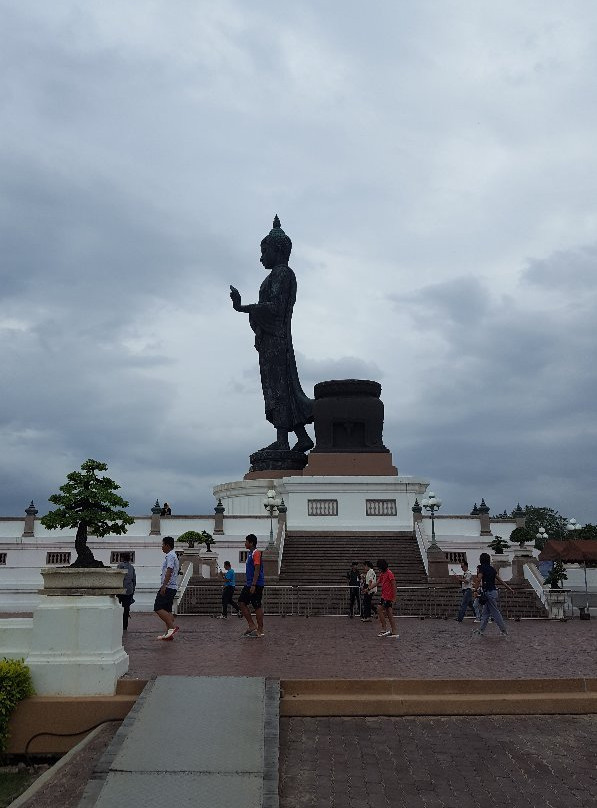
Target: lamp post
572,527
431,503
271,504
542,537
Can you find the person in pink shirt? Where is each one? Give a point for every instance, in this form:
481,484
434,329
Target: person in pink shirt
387,582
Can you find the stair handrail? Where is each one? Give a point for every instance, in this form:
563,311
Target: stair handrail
420,537
182,586
534,577
280,542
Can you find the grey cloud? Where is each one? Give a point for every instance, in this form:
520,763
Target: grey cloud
572,270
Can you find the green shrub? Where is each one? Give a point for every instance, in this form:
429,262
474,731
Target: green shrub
194,537
15,685
498,545
522,536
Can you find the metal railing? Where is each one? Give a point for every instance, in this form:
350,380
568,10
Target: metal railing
333,600
277,600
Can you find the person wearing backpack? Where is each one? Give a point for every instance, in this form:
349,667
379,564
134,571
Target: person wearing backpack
128,584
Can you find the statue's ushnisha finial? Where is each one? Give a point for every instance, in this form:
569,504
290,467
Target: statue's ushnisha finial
279,238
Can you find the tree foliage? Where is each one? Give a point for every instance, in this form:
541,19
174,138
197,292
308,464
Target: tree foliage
589,531
522,536
88,502
548,518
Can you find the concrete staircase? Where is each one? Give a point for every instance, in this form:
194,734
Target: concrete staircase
314,558
312,580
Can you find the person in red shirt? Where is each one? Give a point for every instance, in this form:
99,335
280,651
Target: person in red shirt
387,582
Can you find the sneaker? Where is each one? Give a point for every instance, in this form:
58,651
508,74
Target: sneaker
250,632
239,615
478,633
169,635
161,636
221,617
394,636
384,634
505,635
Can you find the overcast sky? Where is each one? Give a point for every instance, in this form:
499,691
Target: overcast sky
435,166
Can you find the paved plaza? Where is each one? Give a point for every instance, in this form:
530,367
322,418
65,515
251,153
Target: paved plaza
330,647
478,762
415,762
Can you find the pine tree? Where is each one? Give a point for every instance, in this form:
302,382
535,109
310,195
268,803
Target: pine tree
89,503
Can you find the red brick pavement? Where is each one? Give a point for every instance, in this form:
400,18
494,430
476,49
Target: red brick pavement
520,762
327,647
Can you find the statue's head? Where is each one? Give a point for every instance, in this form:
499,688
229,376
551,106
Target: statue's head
275,247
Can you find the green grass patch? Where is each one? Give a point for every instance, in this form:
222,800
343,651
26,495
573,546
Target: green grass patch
13,784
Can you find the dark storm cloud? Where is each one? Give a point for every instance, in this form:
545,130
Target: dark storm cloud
512,394
142,158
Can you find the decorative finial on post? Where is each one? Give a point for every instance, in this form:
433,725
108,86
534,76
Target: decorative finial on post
219,518
29,526
155,528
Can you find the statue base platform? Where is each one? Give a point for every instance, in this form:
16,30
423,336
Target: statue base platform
266,461
339,464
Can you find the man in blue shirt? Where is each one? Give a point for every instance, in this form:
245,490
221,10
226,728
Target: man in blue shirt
228,591
253,589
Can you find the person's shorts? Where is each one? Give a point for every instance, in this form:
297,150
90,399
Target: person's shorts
254,599
164,601
386,604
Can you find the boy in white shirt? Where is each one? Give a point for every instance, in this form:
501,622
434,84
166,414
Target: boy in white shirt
369,591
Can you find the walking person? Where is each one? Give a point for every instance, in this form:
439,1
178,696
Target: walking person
369,591
466,582
228,591
169,584
252,592
354,582
387,582
129,584
489,576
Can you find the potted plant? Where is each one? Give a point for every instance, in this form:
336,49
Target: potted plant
498,545
521,535
207,539
191,537
556,576
89,502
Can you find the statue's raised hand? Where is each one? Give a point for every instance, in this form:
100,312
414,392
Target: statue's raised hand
235,297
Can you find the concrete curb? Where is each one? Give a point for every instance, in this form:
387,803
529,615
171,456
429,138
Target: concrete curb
45,778
440,697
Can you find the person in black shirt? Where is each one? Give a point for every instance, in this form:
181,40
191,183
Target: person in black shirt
354,582
489,577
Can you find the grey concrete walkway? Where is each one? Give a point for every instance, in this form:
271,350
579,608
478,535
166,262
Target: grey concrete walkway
193,741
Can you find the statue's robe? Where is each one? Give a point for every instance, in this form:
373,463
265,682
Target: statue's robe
286,405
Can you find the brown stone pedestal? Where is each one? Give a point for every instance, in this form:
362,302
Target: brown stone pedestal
519,559
350,464
438,566
270,564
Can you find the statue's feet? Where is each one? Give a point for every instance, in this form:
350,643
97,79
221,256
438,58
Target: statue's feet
303,445
277,446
